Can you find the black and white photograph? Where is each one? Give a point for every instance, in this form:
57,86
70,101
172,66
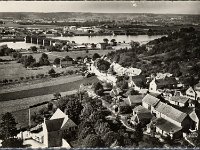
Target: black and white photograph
99,74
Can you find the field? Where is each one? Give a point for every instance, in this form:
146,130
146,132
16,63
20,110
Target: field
71,85
73,54
19,107
18,102
39,83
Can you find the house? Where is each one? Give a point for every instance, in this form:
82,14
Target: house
170,121
149,102
132,71
133,100
172,115
195,116
102,46
54,128
167,128
157,85
64,63
180,101
141,115
194,93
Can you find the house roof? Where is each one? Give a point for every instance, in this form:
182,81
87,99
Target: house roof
54,125
195,115
135,99
171,112
58,114
142,113
166,81
180,99
68,124
150,100
166,126
141,109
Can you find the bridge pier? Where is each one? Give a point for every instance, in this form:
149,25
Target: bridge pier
34,40
28,39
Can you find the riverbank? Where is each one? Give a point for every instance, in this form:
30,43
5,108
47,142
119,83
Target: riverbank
20,39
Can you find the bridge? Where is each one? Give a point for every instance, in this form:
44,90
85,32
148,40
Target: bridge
42,40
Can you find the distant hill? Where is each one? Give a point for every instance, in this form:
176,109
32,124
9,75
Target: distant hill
178,53
66,15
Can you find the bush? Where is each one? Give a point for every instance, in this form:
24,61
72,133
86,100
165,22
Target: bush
12,143
27,78
51,71
41,75
21,78
37,76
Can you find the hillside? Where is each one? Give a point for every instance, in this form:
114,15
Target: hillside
178,53
110,16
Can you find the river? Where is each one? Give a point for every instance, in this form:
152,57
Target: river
86,39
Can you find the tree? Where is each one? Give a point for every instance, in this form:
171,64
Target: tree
44,60
73,109
57,95
8,126
12,143
95,56
57,61
52,72
98,88
105,40
101,128
138,134
85,128
113,40
33,48
92,141
103,65
110,137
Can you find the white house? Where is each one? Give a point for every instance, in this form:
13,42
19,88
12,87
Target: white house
157,85
193,93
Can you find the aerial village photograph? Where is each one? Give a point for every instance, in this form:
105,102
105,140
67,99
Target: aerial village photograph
99,74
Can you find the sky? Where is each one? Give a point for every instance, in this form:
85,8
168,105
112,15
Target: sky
157,7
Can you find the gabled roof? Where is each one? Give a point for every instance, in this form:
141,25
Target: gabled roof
141,109
54,125
135,99
180,99
68,124
166,126
142,112
58,114
171,112
150,100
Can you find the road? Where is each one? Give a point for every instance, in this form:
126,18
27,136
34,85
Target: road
45,90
